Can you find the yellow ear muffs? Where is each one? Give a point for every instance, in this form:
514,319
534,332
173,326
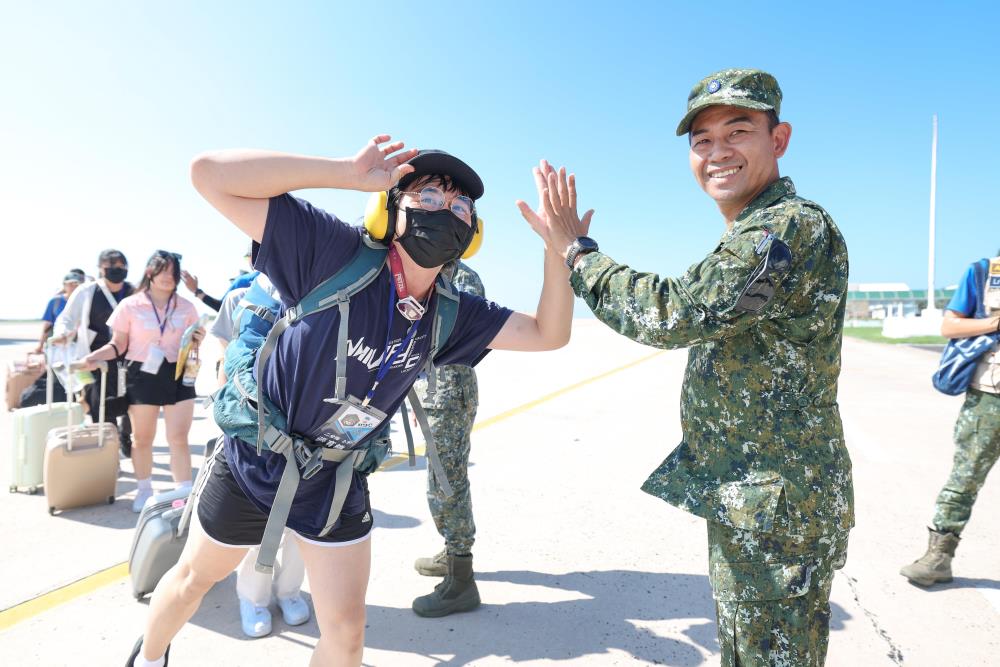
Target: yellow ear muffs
477,240
377,216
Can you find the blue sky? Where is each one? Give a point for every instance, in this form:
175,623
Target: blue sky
105,104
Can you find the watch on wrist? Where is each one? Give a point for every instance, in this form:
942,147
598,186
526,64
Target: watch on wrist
581,246
198,292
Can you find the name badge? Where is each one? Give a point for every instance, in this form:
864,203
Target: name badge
153,361
349,425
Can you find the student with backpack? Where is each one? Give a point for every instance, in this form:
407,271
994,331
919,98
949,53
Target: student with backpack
363,312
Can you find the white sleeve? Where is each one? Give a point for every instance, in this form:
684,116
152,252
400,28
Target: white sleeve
71,315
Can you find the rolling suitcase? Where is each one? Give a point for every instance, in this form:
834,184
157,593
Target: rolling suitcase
31,428
20,376
81,462
160,535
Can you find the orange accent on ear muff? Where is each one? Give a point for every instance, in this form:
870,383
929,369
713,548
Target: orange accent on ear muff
477,240
377,216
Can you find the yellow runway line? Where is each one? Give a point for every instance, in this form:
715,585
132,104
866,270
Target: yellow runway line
42,603
30,608
400,458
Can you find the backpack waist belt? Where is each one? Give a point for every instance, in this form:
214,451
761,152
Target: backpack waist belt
298,455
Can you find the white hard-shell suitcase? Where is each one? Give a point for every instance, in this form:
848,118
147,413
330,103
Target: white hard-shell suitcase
31,428
81,462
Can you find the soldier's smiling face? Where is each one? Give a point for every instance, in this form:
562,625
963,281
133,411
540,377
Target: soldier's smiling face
734,154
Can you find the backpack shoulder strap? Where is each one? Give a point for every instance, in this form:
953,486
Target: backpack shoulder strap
444,323
979,270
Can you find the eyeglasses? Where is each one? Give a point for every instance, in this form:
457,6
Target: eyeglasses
433,199
166,254
759,289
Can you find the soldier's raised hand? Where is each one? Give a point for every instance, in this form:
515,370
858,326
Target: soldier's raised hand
556,219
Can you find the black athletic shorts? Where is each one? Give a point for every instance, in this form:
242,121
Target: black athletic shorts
159,389
229,517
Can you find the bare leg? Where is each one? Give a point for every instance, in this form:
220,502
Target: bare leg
143,418
338,579
178,419
180,591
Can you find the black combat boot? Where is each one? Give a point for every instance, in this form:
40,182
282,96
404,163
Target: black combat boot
456,593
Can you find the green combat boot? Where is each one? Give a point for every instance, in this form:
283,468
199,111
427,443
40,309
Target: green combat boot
935,565
456,593
436,566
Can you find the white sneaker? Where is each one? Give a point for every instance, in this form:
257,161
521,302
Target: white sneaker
294,610
140,499
256,620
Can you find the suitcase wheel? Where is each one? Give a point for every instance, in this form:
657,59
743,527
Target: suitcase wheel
52,511
139,596
12,489
111,500
32,490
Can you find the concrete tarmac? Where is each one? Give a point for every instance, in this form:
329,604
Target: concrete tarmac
575,564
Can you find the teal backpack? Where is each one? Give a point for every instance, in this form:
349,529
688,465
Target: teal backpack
242,410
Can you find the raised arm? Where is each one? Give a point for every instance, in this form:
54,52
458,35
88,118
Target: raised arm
239,182
557,222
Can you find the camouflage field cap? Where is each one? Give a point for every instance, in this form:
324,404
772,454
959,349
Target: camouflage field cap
749,88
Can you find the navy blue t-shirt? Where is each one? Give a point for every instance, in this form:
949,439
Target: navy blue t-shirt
303,246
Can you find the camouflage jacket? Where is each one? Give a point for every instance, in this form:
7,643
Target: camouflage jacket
763,446
456,385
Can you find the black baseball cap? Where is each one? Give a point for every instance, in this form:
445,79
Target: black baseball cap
433,161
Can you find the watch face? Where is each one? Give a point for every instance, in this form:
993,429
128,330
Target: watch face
587,243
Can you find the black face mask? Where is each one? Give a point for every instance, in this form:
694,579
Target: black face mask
434,238
115,274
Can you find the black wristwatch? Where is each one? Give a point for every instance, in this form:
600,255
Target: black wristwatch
581,246
198,292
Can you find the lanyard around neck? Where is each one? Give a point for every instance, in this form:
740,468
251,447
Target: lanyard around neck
166,312
387,359
408,306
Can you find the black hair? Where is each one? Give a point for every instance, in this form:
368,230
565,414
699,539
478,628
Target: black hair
159,262
111,256
443,181
772,119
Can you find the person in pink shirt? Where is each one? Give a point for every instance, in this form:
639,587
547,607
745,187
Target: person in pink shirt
146,329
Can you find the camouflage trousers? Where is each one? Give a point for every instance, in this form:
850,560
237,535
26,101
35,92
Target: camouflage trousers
452,516
977,445
772,595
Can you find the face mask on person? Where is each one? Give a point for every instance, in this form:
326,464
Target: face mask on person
434,238
115,274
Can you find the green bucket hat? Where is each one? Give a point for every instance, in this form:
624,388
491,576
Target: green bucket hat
749,88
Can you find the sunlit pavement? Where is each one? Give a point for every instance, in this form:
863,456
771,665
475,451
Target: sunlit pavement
574,564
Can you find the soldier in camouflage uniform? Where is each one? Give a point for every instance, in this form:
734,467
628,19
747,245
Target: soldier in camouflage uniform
974,310
763,458
451,413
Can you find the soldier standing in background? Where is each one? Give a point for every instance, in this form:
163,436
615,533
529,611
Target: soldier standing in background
763,458
451,413
974,310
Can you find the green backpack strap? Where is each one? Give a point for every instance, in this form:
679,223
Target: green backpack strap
444,324
336,290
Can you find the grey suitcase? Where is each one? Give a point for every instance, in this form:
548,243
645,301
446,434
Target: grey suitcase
161,533
158,541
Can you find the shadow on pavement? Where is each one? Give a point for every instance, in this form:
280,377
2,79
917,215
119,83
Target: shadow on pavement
961,582
617,602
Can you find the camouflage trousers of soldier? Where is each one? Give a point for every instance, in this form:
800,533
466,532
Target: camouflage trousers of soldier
772,595
452,516
977,446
